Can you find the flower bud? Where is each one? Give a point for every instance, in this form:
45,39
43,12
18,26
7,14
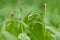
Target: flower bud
20,18
12,14
30,15
44,5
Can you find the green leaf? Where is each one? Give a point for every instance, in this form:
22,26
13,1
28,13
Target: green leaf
9,36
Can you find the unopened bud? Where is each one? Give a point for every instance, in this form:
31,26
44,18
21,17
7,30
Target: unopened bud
20,18
12,14
30,15
44,5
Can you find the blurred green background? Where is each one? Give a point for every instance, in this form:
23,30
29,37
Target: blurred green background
24,7
53,8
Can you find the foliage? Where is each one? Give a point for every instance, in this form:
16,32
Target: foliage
29,20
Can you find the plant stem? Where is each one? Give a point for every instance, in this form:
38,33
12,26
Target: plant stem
44,18
45,8
22,29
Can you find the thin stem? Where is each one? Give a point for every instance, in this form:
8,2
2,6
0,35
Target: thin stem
22,32
45,5
45,8
22,29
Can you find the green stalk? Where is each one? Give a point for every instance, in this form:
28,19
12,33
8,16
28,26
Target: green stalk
22,30
45,8
45,5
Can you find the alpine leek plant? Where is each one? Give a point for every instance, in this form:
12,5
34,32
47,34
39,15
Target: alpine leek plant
29,19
